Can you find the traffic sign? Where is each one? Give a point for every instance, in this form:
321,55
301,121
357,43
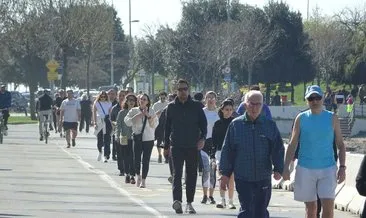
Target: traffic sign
227,77
52,65
52,76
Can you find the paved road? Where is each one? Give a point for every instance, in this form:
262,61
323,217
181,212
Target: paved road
39,180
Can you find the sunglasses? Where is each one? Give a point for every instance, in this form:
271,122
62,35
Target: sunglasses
312,98
183,89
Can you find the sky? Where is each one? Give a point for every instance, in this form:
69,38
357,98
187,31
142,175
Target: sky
155,12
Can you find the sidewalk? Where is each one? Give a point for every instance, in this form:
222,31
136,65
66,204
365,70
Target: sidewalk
51,181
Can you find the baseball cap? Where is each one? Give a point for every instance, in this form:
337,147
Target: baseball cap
314,89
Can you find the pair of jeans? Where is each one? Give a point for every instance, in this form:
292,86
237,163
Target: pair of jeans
85,120
142,153
179,157
125,158
254,198
104,140
114,146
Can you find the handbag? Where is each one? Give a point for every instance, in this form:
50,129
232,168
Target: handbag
106,120
138,137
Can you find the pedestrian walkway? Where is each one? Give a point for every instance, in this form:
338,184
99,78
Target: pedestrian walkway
42,180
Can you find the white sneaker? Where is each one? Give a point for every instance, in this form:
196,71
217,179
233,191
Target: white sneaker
99,158
231,205
222,204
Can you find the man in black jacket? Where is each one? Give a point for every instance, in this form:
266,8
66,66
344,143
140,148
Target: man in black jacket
185,134
115,109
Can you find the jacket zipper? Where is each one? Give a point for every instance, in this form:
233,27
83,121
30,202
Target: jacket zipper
255,160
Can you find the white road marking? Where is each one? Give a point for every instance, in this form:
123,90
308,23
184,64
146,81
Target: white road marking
105,177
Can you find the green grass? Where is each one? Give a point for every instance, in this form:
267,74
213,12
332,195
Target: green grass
299,92
17,120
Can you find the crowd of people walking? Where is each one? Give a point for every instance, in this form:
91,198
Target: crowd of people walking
242,148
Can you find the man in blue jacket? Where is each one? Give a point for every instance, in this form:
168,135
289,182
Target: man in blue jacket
251,146
5,104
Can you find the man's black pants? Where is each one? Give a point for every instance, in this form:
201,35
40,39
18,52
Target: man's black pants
254,198
190,157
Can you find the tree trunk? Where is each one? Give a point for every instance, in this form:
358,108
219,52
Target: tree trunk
64,72
268,93
32,90
88,74
292,93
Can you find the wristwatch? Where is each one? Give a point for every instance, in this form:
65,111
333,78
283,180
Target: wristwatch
343,166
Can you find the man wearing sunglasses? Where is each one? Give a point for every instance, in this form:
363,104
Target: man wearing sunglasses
185,134
316,173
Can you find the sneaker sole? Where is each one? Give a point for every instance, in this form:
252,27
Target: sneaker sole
177,206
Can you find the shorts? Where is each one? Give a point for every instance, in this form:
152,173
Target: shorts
312,182
70,125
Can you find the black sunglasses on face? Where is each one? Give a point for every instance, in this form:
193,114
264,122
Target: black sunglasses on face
312,98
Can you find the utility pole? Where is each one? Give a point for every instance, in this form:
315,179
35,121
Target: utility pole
112,48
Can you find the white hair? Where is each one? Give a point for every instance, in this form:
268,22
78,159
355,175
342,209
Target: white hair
252,93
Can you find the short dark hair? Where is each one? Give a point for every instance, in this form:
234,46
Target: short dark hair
198,96
183,81
255,87
163,93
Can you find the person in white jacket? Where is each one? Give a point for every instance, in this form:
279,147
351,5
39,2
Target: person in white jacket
102,124
142,149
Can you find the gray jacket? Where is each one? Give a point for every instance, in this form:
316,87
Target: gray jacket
122,128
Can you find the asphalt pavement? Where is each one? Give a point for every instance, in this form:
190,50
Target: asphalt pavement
49,180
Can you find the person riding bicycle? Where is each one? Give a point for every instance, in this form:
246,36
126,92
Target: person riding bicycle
5,104
45,103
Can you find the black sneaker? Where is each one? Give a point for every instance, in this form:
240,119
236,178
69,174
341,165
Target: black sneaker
73,143
204,199
177,206
160,158
41,138
212,200
132,180
127,179
68,145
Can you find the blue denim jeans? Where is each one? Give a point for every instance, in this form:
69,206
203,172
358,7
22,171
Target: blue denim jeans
254,198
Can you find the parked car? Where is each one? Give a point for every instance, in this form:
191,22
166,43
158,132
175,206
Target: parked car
18,102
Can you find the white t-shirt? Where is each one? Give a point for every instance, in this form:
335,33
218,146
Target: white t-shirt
212,117
70,108
106,105
159,106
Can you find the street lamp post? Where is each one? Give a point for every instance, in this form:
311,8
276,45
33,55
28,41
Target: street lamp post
112,43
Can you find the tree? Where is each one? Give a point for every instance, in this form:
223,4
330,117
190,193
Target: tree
330,44
355,23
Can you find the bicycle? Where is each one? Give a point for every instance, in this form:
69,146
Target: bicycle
46,124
